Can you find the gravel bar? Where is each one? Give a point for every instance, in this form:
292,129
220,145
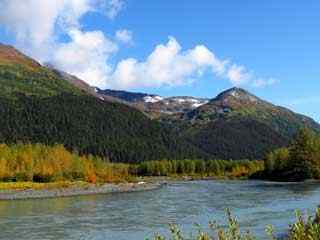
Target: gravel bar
78,191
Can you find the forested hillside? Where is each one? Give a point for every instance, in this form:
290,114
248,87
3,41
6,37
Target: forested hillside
38,106
41,105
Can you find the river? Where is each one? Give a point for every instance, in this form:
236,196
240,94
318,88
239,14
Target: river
138,215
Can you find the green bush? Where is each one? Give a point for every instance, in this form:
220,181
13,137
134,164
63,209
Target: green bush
303,229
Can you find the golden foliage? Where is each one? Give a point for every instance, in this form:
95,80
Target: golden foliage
40,163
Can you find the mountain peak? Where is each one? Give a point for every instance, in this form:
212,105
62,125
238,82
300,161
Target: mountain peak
238,94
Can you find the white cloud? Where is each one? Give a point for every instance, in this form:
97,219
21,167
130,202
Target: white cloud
34,21
86,56
124,36
167,65
39,24
113,7
238,75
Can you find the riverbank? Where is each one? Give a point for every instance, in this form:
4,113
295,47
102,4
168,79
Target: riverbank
31,190
77,190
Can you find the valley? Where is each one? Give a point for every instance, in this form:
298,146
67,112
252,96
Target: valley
159,120
61,137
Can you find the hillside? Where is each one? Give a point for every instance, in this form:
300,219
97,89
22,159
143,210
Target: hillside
237,123
39,105
234,125
238,103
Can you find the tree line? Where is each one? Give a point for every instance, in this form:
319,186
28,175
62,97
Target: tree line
42,163
297,162
208,168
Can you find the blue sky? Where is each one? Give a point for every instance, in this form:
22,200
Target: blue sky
276,42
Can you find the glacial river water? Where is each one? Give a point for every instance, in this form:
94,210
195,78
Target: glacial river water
138,215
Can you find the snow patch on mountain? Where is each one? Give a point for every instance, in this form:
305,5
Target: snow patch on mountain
152,99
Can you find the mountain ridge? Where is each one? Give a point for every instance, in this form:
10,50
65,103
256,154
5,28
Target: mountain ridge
44,105
39,105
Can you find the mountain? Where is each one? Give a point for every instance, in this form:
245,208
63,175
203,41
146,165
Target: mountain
238,103
130,97
154,105
237,123
78,83
40,105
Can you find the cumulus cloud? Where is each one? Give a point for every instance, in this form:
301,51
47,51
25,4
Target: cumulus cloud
238,75
124,36
39,24
86,56
167,65
113,7
34,21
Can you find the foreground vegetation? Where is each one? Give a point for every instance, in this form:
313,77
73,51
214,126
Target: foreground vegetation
303,229
44,164
299,161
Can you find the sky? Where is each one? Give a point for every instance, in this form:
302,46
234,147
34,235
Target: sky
185,47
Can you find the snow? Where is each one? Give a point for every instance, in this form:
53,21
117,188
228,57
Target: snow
152,99
199,104
193,102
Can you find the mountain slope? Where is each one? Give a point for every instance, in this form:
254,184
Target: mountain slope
234,125
237,123
154,105
39,105
43,105
238,103
20,74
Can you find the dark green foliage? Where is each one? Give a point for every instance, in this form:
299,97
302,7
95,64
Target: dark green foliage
236,139
237,125
300,161
38,105
88,125
39,82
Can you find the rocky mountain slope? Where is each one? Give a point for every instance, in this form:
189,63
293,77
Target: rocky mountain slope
238,103
155,105
237,123
39,104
